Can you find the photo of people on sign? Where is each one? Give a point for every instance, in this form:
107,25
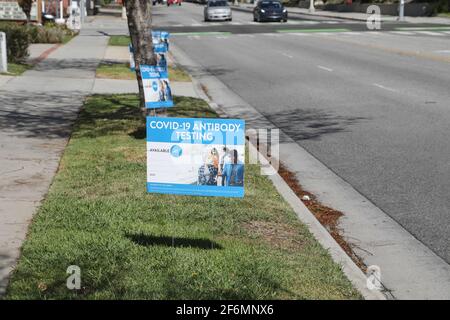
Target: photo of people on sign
194,156
222,168
157,91
161,60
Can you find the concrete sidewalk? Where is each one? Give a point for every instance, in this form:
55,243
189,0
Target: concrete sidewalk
357,16
37,112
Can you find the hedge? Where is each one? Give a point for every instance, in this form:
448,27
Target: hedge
17,41
20,36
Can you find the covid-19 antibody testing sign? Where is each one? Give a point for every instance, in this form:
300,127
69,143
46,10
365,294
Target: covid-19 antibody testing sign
157,91
196,156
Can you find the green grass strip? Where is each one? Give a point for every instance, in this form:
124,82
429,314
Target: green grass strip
98,216
121,41
313,30
16,69
121,71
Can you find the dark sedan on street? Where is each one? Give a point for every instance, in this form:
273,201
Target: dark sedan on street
269,10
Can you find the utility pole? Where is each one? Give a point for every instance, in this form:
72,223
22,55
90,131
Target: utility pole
82,11
39,11
311,6
124,11
401,11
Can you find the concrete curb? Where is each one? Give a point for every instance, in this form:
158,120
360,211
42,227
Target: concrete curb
350,269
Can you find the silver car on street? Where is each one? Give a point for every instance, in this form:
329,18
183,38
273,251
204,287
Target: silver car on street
217,10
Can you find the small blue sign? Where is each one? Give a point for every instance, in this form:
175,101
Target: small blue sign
157,91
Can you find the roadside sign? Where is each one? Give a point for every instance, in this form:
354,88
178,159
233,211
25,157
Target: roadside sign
155,80
160,34
160,47
160,41
161,60
196,156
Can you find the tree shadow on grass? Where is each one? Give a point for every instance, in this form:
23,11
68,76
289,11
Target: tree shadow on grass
177,242
104,107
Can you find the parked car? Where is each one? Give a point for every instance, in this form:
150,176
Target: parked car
269,10
170,2
217,10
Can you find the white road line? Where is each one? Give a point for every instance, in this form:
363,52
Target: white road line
287,55
293,22
385,88
324,33
325,68
246,35
430,33
299,34
446,32
374,33
331,22
442,51
299,22
403,33
351,33
222,37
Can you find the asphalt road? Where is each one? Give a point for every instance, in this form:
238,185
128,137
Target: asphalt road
374,107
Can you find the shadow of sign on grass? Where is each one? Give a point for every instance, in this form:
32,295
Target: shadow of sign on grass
177,242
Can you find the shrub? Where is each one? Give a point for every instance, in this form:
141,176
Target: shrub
17,41
49,33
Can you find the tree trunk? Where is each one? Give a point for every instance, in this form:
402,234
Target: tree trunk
26,8
139,15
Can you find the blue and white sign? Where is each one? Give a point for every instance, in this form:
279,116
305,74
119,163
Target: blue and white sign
160,34
160,41
161,60
157,91
196,156
160,47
